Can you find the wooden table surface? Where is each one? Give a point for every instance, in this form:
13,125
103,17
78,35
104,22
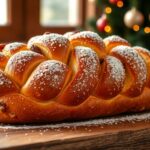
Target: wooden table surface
121,132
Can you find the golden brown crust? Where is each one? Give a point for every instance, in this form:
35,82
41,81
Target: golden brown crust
53,46
7,85
89,39
46,81
21,65
113,41
20,109
112,77
12,48
3,60
136,72
2,45
145,54
85,77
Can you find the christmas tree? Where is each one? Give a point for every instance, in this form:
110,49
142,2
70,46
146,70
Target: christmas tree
128,18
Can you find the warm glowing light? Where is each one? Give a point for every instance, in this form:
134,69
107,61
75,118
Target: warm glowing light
136,27
108,10
3,13
120,4
108,29
147,29
91,1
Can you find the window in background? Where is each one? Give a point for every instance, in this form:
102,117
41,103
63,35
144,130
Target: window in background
59,13
3,13
22,19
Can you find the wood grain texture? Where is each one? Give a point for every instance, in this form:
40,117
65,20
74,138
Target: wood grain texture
124,135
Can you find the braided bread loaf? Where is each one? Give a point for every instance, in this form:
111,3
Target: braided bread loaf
73,76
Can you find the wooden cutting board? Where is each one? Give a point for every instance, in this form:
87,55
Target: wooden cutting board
121,132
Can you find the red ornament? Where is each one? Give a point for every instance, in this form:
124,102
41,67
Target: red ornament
114,1
101,23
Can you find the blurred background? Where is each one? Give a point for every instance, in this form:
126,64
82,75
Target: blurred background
22,19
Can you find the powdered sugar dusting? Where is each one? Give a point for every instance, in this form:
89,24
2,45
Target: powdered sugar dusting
135,62
52,41
115,38
5,82
94,37
20,59
116,72
33,40
89,64
13,46
18,65
49,74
